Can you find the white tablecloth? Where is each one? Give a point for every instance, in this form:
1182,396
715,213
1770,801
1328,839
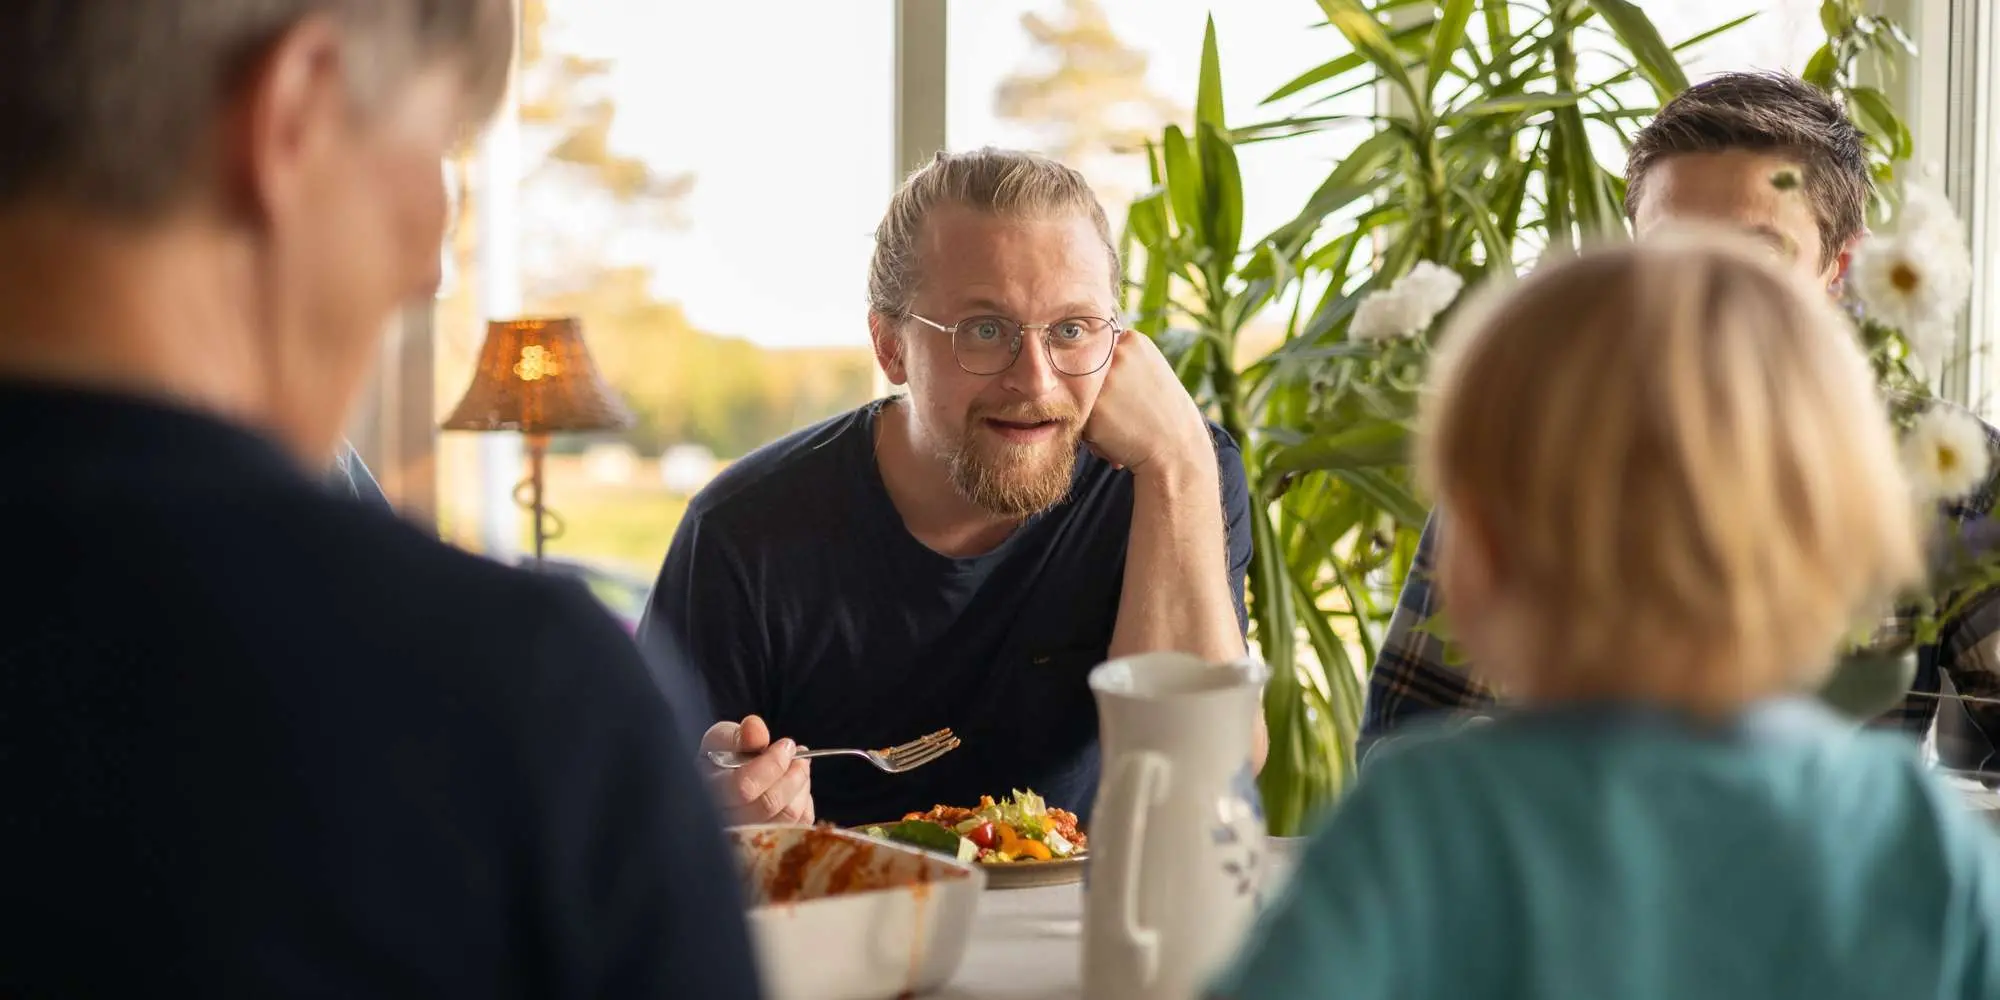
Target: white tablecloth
1981,799
1029,942
1028,945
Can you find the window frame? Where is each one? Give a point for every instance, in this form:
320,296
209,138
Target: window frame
1957,110
1947,97
1952,104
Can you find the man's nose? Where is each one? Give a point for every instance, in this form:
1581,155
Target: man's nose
1032,374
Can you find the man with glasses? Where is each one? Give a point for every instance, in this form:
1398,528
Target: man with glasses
1046,496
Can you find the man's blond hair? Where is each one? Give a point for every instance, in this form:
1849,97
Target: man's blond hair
1681,469
1002,182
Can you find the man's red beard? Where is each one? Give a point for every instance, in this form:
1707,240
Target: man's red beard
992,467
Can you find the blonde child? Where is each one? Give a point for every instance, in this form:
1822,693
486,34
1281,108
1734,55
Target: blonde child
1672,491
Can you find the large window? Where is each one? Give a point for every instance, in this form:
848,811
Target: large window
1976,26
706,210
1782,36
1089,81
699,187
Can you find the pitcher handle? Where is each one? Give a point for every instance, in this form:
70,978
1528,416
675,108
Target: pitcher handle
1144,785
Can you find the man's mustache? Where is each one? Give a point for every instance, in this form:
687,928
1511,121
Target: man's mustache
1028,414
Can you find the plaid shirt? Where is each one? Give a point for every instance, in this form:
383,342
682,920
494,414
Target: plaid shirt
1411,677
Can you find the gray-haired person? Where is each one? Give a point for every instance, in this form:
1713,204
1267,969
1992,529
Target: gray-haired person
258,740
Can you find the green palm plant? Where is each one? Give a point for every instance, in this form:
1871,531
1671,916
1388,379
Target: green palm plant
1491,151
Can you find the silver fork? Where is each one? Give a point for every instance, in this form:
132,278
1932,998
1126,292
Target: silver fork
895,760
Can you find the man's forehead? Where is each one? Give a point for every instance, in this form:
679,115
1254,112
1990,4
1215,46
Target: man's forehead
962,246
1713,181
1740,188
1744,190
959,228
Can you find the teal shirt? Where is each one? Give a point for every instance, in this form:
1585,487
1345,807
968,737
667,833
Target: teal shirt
1621,854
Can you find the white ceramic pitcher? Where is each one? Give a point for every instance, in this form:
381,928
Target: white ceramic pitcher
1177,832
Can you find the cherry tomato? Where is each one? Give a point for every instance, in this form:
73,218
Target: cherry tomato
984,836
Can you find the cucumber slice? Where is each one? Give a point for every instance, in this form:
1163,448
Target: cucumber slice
932,837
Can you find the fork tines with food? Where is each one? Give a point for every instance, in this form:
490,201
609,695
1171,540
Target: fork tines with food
915,753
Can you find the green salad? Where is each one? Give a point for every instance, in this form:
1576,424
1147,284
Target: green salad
1020,828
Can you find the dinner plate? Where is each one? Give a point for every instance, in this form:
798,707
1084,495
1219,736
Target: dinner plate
1021,874
1029,874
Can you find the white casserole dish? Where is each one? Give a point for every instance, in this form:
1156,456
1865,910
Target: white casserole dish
835,915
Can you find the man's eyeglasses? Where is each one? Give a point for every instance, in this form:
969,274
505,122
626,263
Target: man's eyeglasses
988,345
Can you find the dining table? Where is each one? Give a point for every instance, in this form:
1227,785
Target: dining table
1029,947
1030,941
1976,792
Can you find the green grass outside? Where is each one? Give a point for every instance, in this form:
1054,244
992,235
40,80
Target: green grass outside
618,527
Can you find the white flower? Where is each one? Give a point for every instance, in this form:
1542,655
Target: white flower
1408,306
1945,453
1387,314
1932,343
1918,276
1433,286
1926,210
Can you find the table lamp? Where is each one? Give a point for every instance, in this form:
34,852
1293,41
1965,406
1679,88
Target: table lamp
535,376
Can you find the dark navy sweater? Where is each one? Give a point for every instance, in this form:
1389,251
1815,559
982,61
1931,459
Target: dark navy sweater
259,740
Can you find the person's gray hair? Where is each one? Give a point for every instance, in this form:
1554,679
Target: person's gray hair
996,181
106,103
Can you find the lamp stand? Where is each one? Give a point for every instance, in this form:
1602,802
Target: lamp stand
548,525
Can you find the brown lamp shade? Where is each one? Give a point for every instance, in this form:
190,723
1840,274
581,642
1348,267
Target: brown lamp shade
536,376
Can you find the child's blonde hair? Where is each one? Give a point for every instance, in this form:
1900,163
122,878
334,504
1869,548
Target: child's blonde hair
1678,462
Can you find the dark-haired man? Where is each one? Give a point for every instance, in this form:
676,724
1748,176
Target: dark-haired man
1711,155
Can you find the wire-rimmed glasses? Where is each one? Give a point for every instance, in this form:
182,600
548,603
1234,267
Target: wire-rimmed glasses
988,345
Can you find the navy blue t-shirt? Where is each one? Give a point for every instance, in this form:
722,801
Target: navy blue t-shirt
801,597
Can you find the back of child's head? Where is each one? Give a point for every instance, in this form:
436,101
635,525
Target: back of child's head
1677,472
